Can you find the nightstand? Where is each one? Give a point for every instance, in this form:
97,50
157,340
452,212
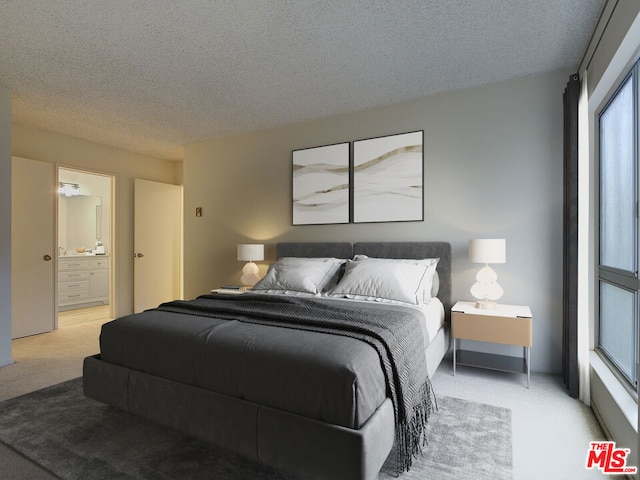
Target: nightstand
507,325
229,291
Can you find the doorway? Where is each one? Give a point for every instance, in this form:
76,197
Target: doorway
85,246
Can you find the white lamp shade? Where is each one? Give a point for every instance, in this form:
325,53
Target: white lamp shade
488,250
251,252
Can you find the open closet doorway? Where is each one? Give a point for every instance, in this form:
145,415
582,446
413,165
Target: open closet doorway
85,246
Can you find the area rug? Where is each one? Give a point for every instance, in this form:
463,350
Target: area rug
78,438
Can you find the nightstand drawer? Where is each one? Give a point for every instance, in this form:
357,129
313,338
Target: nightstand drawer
491,328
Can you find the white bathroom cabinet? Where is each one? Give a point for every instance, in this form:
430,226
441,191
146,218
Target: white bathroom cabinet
83,281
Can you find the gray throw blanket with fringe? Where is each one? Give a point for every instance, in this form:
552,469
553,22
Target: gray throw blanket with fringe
394,333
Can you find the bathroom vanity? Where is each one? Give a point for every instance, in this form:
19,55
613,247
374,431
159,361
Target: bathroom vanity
83,281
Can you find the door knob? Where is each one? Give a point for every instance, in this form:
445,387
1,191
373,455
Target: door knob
47,258
138,255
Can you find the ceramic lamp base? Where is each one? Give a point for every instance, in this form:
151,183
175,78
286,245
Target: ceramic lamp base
250,275
486,305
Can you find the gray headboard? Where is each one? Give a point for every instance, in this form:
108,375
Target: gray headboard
441,250
311,249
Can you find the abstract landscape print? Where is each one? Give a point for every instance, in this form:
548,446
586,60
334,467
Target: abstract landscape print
321,185
388,178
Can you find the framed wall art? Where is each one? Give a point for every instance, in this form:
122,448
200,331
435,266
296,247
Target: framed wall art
388,178
321,185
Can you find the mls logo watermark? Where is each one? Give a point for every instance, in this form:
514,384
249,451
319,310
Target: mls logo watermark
608,458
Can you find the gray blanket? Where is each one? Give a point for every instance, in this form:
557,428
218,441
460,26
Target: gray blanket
395,334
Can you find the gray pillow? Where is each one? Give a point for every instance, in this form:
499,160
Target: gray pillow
299,275
378,279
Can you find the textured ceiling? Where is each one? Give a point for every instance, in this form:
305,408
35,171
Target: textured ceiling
153,75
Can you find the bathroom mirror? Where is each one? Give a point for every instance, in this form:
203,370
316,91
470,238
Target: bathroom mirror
80,222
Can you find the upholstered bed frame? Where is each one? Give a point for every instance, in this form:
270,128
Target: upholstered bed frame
303,446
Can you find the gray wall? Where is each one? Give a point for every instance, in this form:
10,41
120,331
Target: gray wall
493,168
5,226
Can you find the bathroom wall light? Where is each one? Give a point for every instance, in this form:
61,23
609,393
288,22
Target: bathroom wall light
68,189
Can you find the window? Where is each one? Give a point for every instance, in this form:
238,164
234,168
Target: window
619,247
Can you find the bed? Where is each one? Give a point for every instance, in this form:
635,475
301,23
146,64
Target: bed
300,396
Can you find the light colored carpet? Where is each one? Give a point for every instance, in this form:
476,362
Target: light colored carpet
49,358
78,438
551,430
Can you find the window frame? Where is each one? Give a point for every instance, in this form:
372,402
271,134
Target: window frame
623,279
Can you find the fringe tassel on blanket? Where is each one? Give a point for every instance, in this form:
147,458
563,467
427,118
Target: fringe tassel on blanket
411,436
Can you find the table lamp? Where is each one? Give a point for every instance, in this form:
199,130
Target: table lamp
250,253
486,289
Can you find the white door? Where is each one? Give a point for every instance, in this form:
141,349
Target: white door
157,244
32,248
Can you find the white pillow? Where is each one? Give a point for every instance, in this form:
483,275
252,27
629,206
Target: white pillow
299,275
431,282
381,279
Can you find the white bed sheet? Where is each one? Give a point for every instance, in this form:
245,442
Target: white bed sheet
432,311
432,314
